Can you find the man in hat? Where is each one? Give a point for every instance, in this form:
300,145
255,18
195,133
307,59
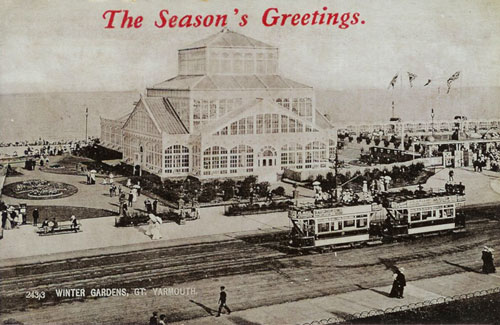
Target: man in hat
36,214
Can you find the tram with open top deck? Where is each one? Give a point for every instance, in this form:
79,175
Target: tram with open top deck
387,217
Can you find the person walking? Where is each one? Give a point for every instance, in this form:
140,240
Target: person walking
223,301
487,257
130,198
450,176
394,289
401,281
163,320
155,206
36,215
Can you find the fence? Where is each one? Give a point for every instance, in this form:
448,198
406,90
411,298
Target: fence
413,306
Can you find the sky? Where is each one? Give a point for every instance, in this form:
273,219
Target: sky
62,45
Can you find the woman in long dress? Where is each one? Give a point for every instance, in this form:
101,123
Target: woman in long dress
8,222
156,228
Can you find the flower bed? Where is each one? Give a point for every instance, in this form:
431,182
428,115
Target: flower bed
36,189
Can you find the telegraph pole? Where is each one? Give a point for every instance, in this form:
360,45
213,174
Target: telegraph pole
86,123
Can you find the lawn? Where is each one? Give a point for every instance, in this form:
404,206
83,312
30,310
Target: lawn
63,213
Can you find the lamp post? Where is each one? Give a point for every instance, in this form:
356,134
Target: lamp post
432,123
86,123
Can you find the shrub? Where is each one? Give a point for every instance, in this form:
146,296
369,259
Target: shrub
279,191
228,189
247,186
263,189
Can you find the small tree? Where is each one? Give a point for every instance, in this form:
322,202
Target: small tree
247,186
263,189
208,193
228,188
279,191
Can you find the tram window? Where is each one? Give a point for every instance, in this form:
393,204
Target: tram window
426,214
361,223
349,223
323,227
415,216
339,224
448,213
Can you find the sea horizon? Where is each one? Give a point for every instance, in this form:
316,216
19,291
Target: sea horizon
61,115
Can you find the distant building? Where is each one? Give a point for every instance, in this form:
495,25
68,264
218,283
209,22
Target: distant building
228,113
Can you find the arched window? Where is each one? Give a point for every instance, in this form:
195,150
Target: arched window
215,161
177,159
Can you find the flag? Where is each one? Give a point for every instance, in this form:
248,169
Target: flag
393,81
411,77
451,79
428,82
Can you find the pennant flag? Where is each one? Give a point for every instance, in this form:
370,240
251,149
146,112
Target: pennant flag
428,82
451,79
393,81
411,77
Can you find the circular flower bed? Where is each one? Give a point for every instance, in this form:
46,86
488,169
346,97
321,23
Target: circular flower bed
36,189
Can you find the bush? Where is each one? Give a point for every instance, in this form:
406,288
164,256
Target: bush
247,186
263,189
228,189
279,191
209,193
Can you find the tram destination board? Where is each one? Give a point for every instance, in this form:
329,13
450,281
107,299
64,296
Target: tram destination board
428,201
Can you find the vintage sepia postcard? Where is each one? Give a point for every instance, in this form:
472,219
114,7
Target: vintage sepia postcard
249,162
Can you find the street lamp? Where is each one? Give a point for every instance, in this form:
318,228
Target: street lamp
432,123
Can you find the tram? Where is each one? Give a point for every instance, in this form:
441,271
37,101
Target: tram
388,217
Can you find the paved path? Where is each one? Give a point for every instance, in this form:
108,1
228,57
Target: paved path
101,233
337,306
479,187
96,196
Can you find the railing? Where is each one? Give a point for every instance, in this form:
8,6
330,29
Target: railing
412,306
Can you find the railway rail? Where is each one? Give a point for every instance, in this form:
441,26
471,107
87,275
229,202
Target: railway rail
172,265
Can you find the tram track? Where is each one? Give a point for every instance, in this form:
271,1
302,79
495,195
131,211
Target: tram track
174,265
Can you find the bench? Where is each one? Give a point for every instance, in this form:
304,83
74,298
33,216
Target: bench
61,228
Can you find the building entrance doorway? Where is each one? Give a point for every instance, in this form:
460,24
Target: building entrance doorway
267,157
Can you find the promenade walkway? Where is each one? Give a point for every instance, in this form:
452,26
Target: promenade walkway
338,307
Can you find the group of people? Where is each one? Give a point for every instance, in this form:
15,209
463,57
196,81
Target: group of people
12,218
151,207
115,190
51,225
154,320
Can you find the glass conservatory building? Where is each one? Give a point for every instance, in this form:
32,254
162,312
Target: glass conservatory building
228,113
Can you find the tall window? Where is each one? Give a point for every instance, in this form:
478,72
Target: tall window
249,64
215,161
241,159
177,159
